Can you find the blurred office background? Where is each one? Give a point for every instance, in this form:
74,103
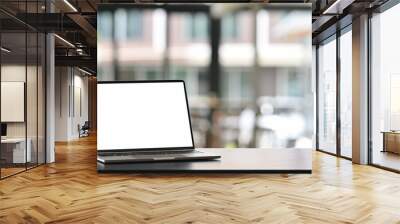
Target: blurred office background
247,69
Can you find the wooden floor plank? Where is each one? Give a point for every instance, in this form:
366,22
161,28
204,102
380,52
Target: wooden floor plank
71,191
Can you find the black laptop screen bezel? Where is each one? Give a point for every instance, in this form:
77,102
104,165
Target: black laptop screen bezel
158,148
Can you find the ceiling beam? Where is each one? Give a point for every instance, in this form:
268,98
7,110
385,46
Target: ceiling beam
79,61
86,27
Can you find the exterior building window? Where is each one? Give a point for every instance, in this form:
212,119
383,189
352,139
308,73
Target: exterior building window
230,27
105,25
135,24
120,25
197,27
236,85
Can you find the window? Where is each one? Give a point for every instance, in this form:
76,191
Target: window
120,24
135,24
327,97
236,86
128,24
197,26
189,51
295,84
230,27
152,74
104,25
346,94
385,89
195,79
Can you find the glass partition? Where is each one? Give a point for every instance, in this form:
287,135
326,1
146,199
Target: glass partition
15,148
22,90
31,99
41,97
238,79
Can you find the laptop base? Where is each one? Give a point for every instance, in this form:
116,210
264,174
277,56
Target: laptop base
156,157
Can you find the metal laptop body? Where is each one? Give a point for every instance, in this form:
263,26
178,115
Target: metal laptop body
151,154
155,156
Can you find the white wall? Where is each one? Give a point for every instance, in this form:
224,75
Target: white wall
80,110
71,102
62,81
16,73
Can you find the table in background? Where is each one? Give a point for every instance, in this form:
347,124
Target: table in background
13,150
391,141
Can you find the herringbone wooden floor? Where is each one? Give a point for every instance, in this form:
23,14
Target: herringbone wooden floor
71,191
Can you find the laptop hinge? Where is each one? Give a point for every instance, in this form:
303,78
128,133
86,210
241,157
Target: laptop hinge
155,151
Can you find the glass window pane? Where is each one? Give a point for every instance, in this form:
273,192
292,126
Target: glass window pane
346,94
135,24
327,97
15,150
230,27
22,90
41,98
385,86
32,97
104,25
196,26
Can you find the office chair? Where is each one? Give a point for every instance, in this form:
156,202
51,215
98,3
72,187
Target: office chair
84,130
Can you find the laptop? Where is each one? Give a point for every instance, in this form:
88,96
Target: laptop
145,121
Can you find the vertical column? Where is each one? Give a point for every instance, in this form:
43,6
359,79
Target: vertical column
166,60
215,69
63,104
338,96
360,90
50,92
314,71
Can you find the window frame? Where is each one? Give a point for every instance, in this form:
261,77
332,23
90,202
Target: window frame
334,37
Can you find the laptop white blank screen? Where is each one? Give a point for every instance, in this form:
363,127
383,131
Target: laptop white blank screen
142,115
